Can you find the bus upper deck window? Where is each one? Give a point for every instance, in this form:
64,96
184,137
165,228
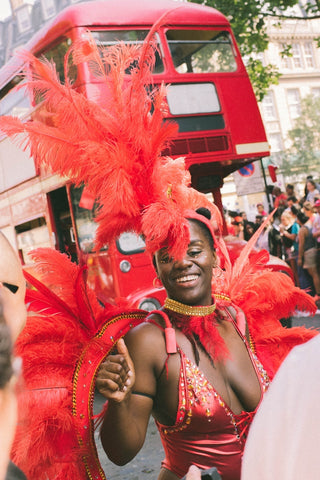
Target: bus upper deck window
57,54
130,37
14,101
201,51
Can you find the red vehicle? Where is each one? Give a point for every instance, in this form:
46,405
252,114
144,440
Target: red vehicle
209,96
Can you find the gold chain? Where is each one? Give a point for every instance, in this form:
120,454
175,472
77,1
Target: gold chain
178,307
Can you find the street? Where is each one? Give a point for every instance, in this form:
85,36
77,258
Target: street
146,465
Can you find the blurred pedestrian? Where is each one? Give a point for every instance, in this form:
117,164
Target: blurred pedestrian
316,231
289,230
279,198
312,191
307,255
261,210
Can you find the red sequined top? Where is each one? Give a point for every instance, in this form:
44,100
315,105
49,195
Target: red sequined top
206,432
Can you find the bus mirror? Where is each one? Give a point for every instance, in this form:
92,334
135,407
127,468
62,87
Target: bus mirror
272,172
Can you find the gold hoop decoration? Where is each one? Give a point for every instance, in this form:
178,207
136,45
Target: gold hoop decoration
218,269
157,283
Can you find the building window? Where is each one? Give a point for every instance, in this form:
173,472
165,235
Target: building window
285,60
268,107
297,55
275,141
294,104
315,91
308,55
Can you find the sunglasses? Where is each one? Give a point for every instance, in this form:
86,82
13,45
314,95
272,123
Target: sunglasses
9,286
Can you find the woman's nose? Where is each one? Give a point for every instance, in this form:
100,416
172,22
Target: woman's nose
182,263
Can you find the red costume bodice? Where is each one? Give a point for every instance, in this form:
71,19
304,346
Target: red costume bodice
206,432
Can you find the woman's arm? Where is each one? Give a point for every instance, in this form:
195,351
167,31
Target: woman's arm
302,237
127,415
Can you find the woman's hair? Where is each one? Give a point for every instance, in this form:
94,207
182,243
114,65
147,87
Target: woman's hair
312,182
207,214
302,217
287,214
6,370
308,206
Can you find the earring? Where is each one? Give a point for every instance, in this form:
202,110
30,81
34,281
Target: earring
157,283
217,272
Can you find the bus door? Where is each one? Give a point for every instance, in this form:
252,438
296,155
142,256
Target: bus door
62,222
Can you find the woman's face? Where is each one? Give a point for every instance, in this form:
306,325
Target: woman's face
285,220
310,187
189,280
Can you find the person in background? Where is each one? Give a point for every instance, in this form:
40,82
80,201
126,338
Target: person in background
12,288
309,212
279,198
292,201
289,229
237,223
263,239
283,442
312,191
261,210
316,230
8,403
307,255
13,314
290,190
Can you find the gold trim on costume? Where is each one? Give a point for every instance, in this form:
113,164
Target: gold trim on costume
198,311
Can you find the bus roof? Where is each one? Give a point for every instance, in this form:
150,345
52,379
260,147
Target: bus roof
114,13
125,12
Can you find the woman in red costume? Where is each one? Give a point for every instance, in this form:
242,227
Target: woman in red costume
202,386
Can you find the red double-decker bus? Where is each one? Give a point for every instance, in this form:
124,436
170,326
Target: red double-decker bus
209,96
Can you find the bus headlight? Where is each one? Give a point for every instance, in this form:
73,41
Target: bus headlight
149,304
125,266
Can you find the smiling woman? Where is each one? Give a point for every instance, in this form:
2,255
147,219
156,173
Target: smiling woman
191,365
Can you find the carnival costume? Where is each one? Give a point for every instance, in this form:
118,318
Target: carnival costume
69,333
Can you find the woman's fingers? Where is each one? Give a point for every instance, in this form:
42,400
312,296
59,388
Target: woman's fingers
116,374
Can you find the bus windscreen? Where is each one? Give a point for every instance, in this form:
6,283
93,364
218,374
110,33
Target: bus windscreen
201,51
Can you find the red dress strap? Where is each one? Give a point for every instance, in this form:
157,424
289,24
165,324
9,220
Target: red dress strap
169,332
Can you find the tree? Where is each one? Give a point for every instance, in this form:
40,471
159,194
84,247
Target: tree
248,19
304,152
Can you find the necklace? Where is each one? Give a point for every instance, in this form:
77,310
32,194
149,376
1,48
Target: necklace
188,310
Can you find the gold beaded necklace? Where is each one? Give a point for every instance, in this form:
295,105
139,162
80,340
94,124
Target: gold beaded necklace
199,311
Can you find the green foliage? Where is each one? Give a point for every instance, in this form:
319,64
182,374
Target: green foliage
304,153
262,77
248,21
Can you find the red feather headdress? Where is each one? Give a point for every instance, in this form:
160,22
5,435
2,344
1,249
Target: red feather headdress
115,149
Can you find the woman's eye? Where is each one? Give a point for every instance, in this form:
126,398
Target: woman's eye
165,259
194,253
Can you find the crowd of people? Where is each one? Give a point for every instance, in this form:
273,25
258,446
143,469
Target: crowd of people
293,233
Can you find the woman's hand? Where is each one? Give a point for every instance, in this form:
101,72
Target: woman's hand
193,473
116,375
